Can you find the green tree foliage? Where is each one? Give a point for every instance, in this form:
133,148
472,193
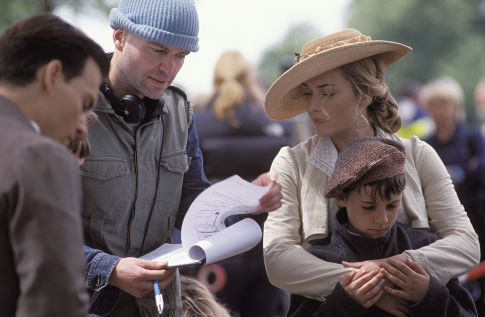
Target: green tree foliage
278,58
447,37
15,10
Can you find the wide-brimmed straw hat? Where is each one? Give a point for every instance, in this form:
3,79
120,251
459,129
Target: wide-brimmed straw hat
284,98
366,160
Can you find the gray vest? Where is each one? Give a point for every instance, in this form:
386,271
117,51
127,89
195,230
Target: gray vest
120,185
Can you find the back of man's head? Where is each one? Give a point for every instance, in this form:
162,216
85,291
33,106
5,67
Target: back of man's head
35,41
168,22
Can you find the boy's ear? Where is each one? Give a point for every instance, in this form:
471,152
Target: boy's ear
341,201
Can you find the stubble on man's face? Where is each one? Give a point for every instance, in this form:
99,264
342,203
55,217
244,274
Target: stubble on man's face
147,68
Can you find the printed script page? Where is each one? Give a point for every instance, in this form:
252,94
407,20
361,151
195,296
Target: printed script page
205,237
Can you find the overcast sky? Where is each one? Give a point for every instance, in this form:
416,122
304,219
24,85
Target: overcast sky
250,26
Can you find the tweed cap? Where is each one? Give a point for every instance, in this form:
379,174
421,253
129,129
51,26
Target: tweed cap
364,161
169,22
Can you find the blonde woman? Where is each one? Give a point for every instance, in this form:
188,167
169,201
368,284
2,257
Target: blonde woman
339,80
198,301
235,82
236,137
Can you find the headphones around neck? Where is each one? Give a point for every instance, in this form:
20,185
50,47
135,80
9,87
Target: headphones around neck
132,108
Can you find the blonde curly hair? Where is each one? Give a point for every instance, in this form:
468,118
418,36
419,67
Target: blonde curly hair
198,301
367,78
234,81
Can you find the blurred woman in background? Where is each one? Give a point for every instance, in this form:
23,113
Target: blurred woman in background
236,137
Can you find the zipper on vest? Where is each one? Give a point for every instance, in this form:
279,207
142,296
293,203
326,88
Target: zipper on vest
132,211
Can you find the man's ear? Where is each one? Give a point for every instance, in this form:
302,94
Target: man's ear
50,73
119,36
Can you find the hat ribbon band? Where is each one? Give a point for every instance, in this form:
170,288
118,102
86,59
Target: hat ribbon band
318,49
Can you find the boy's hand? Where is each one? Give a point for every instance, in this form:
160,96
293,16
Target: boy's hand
393,305
411,280
364,287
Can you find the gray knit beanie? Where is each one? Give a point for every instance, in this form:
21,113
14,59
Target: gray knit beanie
169,22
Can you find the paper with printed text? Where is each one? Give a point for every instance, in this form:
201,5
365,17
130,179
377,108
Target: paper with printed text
205,236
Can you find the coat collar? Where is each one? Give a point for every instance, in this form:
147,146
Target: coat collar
325,153
7,108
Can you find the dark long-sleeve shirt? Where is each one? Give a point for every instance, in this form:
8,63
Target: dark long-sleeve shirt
343,245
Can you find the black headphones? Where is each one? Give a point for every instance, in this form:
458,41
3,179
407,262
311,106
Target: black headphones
132,108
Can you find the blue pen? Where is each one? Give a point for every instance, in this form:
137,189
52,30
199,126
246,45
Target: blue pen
158,296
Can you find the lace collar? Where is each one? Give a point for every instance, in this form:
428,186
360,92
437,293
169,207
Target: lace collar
325,153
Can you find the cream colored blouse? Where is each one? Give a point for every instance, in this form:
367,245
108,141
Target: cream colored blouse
303,171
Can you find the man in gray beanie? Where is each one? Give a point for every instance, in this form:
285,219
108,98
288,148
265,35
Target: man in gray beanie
145,168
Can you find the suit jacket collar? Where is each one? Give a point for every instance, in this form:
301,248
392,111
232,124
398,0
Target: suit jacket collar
9,109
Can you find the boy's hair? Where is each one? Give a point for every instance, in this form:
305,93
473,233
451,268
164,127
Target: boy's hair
35,41
383,188
378,162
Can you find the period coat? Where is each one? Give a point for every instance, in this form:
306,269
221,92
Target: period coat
41,255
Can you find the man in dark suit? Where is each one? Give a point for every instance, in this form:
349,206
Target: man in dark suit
50,74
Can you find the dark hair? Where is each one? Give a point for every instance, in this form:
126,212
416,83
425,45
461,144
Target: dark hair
384,187
35,41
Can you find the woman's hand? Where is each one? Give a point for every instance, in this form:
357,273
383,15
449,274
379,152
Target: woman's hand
373,264
365,266
364,287
410,278
272,199
387,302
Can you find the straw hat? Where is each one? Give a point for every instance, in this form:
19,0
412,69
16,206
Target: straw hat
364,161
284,99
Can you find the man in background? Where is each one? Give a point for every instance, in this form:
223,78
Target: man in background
49,77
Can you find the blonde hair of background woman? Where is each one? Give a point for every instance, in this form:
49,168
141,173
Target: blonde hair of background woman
198,301
234,81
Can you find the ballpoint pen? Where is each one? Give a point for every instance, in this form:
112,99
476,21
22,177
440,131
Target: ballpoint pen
158,296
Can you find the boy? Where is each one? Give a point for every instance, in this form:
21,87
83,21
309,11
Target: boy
367,184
